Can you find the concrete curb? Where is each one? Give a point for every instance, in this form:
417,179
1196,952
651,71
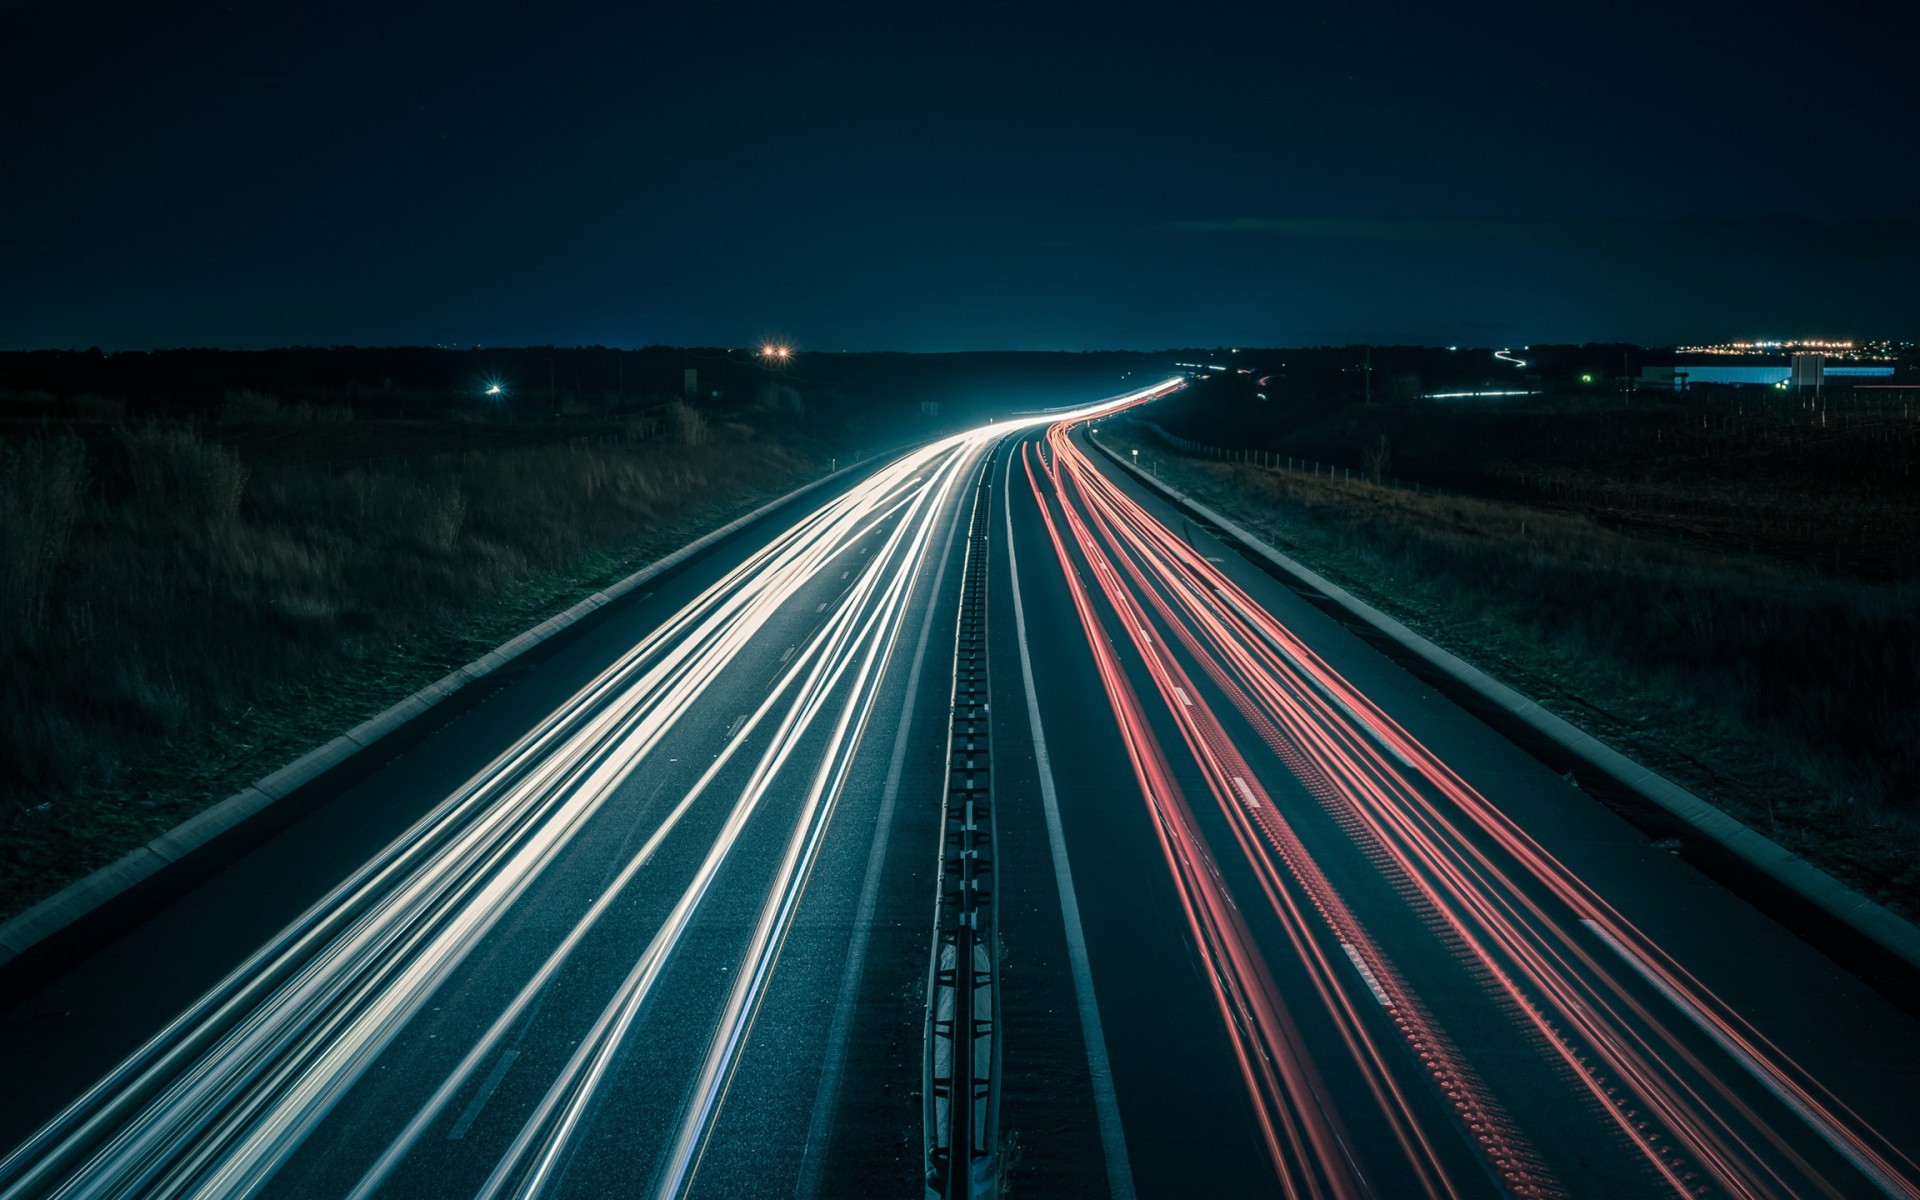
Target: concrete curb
1885,929
85,895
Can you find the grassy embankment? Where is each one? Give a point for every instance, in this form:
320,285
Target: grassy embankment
186,606
1693,619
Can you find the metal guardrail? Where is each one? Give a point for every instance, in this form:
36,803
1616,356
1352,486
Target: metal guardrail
1277,461
962,1069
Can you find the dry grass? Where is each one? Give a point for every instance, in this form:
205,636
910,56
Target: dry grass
1790,696
178,620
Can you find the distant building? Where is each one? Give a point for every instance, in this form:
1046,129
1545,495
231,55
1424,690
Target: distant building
1807,370
1681,377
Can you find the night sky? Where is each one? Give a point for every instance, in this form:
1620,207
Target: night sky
924,177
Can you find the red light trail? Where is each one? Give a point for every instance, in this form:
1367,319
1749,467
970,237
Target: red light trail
1570,973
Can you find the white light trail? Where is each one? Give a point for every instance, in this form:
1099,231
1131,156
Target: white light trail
217,1101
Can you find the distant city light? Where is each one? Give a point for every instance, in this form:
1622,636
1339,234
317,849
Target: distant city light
1875,349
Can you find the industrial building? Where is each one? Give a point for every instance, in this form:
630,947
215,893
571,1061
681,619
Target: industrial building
1805,370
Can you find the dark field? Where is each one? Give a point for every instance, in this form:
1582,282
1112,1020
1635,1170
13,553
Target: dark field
216,561
189,605
1722,586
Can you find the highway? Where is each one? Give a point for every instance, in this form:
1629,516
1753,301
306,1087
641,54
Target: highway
653,916
1345,941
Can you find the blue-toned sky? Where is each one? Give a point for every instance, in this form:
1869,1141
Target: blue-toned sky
913,176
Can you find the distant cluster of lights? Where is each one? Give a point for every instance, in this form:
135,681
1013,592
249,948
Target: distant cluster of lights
1833,349
781,352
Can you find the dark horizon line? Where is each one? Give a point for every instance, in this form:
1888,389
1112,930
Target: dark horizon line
801,351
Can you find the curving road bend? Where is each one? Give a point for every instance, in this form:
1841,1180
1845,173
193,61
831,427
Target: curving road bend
1273,918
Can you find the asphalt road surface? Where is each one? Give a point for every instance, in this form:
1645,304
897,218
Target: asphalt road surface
651,915
1342,940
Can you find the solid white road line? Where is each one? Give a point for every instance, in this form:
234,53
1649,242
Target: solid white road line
1106,1105
223,1095
1765,1078
827,1096
757,966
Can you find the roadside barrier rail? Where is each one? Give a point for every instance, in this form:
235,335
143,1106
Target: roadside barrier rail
962,1070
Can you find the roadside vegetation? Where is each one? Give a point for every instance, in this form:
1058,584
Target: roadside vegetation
189,602
212,561
1724,592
